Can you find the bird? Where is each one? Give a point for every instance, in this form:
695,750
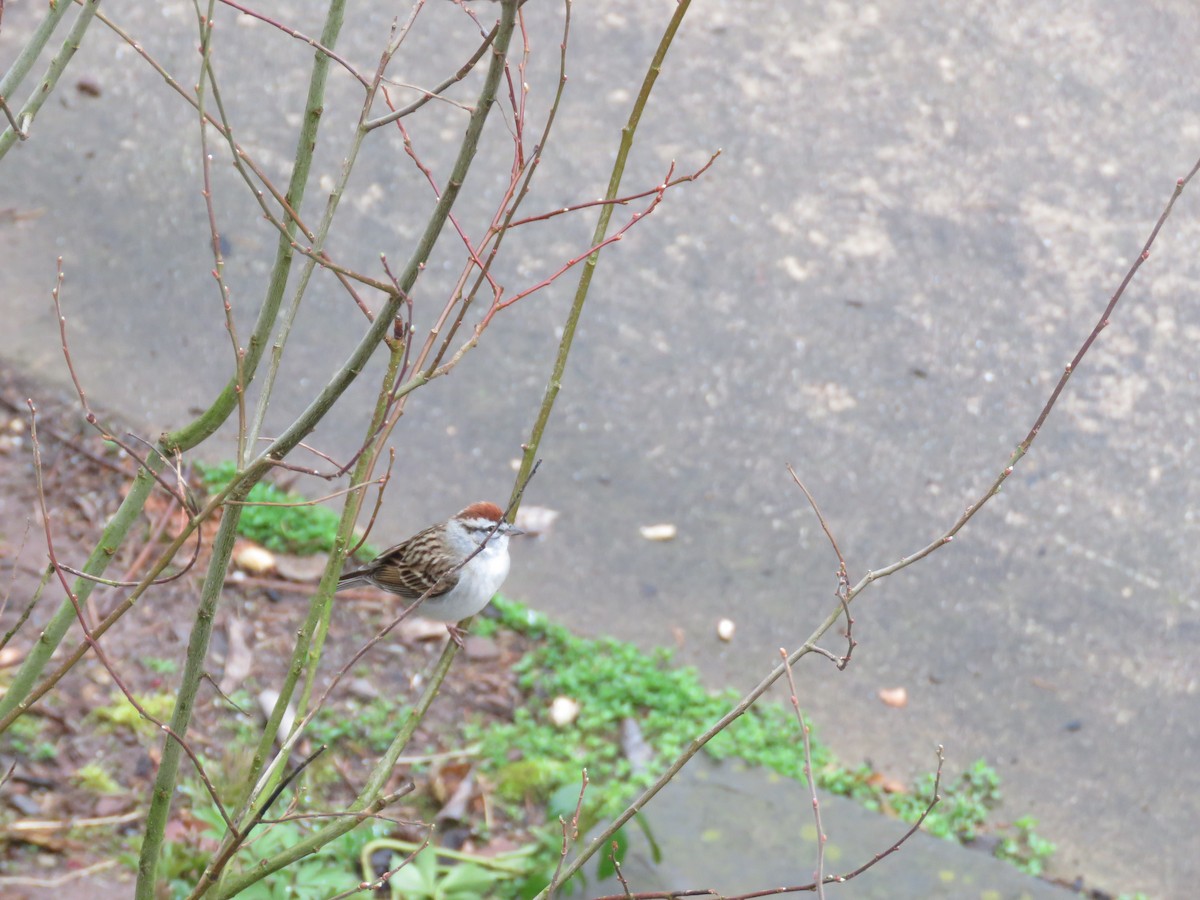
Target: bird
437,564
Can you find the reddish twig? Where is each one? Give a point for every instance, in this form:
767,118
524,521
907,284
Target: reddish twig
12,575
819,875
17,129
89,638
613,238
437,193
66,441
568,835
435,92
811,887
25,613
291,32
612,854
843,577
382,482
522,173
617,201
89,416
381,881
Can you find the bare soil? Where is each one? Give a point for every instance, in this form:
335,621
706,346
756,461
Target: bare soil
57,830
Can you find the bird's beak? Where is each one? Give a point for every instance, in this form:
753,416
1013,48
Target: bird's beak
512,530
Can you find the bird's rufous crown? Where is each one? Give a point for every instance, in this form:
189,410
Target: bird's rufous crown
489,511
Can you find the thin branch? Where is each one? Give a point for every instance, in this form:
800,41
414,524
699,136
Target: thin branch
89,416
813,886
17,129
843,578
89,638
291,32
624,200
12,579
58,881
568,835
819,875
433,93
809,645
317,502
381,881
382,481
69,442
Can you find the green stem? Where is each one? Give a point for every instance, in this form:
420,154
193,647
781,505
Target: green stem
32,50
16,698
306,653
369,800
208,422
55,70
212,419
313,109
193,672
564,347
589,267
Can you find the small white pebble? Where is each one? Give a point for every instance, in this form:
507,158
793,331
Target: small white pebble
725,629
661,532
563,711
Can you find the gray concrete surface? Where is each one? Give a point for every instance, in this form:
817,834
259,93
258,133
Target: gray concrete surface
918,215
741,831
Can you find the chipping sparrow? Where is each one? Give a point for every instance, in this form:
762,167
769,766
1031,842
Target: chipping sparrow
437,563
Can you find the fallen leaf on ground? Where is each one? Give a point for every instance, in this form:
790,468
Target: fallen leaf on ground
664,531
886,784
250,557
895,697
419,629
266,702
305,569
238,659
536,520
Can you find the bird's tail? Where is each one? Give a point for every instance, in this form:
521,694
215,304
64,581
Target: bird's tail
354,579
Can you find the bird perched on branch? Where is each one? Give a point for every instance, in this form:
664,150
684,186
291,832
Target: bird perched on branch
456,565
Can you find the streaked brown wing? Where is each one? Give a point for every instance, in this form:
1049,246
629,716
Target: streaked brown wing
409,570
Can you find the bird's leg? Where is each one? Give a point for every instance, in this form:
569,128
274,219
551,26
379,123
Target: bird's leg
457,635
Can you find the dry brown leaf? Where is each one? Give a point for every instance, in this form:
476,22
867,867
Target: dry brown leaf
305,569
536,520
419,629
886,784
238,658
896,697
252,558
